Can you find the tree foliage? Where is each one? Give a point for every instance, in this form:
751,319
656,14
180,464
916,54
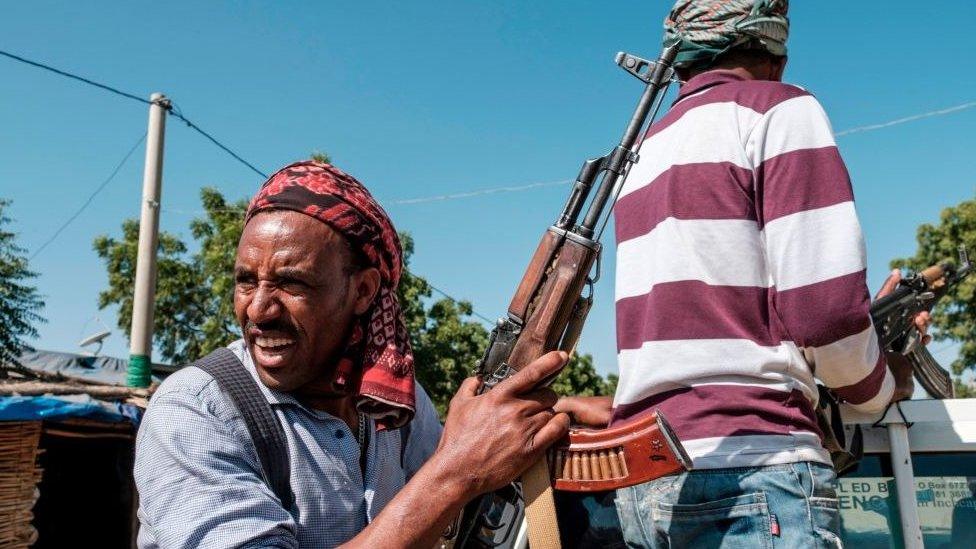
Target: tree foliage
964,390
954,318
320,156
446,342
195,310
580,378
19,301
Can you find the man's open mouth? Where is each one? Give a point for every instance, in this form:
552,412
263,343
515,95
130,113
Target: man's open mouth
273,344
272,352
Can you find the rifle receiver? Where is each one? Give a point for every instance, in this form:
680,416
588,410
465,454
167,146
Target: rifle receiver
964,264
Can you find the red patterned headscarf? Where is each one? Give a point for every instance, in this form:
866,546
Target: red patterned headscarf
378,354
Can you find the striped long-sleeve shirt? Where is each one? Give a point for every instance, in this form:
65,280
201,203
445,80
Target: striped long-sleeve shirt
741,276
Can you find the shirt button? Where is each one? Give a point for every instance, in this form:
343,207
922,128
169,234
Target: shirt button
339,433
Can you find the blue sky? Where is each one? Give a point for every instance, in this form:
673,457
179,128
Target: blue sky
421,99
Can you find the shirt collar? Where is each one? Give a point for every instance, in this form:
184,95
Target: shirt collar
706,80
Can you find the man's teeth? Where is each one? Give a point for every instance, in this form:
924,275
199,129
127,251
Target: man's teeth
273,341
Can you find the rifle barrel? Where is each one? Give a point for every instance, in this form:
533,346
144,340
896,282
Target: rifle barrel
622,155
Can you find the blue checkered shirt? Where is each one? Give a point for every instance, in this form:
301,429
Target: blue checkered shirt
200,483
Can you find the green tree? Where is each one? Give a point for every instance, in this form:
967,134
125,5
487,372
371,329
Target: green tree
964,390
19,301
195,308
446,342
954,318
580,378
320,156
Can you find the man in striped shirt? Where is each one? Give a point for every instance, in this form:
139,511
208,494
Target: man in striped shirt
741,279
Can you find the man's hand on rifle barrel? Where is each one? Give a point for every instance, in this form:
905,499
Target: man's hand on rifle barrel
900,368
493,437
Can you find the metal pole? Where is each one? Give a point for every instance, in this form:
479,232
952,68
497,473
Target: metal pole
140,347
901,465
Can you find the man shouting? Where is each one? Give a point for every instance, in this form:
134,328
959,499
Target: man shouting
316,275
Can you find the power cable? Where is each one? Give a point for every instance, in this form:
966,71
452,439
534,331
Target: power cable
175,111
480,192
178,114
448,296
172,109
91,197
912,118
75,77
419,200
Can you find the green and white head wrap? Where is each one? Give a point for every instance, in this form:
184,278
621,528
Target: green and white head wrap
708,28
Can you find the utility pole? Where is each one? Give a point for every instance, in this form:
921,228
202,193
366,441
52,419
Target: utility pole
140,348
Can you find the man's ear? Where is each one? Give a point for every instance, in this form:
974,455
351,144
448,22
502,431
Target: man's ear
365,284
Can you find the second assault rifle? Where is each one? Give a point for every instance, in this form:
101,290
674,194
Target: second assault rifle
547,313
893,317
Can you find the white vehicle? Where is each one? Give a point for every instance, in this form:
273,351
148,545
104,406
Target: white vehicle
916,486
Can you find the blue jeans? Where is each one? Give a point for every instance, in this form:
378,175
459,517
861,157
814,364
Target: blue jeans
792,505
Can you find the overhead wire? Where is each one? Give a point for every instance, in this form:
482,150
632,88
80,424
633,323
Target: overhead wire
448,296
528,186
912,118
405,201
175,111
481,192
172,109
75,77
91,197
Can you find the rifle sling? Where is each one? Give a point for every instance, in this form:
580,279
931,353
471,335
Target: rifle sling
540,507
262,424
266,432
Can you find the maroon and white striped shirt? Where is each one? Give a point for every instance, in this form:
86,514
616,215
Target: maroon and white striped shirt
741,276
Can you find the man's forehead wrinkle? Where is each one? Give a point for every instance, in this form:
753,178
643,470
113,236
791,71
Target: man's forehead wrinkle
286,226
283,238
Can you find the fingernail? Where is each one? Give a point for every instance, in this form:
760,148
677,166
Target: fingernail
564,355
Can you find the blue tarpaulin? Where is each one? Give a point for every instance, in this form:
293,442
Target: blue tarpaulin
101,370
94,369
47,407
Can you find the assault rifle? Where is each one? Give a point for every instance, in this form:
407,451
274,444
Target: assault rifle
894,319
548,311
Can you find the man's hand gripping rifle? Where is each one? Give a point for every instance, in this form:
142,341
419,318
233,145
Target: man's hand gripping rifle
548,311
894,318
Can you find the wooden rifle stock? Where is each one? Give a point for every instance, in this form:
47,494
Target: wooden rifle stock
548,308
564,270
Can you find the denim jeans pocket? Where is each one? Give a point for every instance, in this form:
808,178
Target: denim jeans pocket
740,521
825,514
